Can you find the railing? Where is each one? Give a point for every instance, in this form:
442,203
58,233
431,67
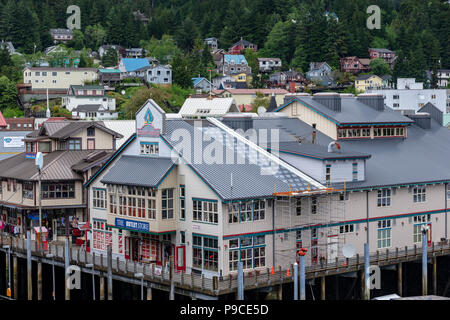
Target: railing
252,278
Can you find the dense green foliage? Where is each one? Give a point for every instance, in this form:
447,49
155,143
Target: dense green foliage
297,31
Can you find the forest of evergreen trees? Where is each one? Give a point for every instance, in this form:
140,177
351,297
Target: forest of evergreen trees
297,31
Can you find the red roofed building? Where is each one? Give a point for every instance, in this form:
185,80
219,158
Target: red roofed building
241,45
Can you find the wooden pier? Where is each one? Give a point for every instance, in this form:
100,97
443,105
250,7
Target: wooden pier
193,285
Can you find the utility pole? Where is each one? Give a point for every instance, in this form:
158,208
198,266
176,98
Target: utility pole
424,261
39,165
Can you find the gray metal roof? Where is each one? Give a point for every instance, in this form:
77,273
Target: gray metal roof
57,166
246,176
352,112
318,151
142,171
64,129
87,108
420,158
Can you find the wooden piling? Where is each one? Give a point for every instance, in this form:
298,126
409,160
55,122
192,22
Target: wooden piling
280,292
39,281
15,278
363,284
400,279
109,263
434,276
149,293
102,288
8,289
66,264
29,274
322,289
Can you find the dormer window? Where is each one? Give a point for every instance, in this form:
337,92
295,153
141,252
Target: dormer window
91,132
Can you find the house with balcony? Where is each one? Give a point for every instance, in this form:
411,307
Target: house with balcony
242,44
320,73
61,35
72,151
269,64
385,54
234,64
368,81
355,65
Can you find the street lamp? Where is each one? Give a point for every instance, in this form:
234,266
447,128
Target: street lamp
50,255
141,276
91,265
8,290
39,164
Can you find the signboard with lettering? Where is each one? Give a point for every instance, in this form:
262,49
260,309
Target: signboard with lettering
132,225
13,142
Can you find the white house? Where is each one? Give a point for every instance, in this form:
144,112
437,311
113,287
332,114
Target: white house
88,95
411,95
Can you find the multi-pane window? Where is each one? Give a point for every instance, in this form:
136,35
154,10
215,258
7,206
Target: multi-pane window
245,211
259,208
204,210
58,191
99,198
149,148
298,239
233,213
313,205
384,234
250,250
298,206
167,203
355,171
182,202
348,228
28,190
328,172
343,196
419,194
384,198
205,252
417,233
113,203
75,144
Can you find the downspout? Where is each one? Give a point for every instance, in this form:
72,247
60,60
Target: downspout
273,230
446,223
367,215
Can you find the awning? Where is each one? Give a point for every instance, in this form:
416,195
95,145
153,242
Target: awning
84,226
35,215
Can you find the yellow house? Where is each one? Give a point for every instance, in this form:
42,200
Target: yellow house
245,97
56,79
241,77
368,81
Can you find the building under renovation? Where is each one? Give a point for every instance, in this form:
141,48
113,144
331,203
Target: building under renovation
212,192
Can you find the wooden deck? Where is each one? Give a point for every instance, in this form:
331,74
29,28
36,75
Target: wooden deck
198,286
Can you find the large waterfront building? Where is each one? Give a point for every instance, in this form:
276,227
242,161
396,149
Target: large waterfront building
331,170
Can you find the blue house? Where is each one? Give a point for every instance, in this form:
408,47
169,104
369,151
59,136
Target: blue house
133,67
320,72
202,84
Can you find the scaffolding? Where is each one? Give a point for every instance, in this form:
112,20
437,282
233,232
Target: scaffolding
310,219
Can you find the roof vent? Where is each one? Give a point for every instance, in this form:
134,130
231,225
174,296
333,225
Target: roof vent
331,100
421,119
373,100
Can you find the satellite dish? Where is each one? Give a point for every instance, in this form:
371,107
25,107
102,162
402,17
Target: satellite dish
261,110
39,160
123,92
348,250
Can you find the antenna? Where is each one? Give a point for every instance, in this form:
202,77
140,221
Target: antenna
348,250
